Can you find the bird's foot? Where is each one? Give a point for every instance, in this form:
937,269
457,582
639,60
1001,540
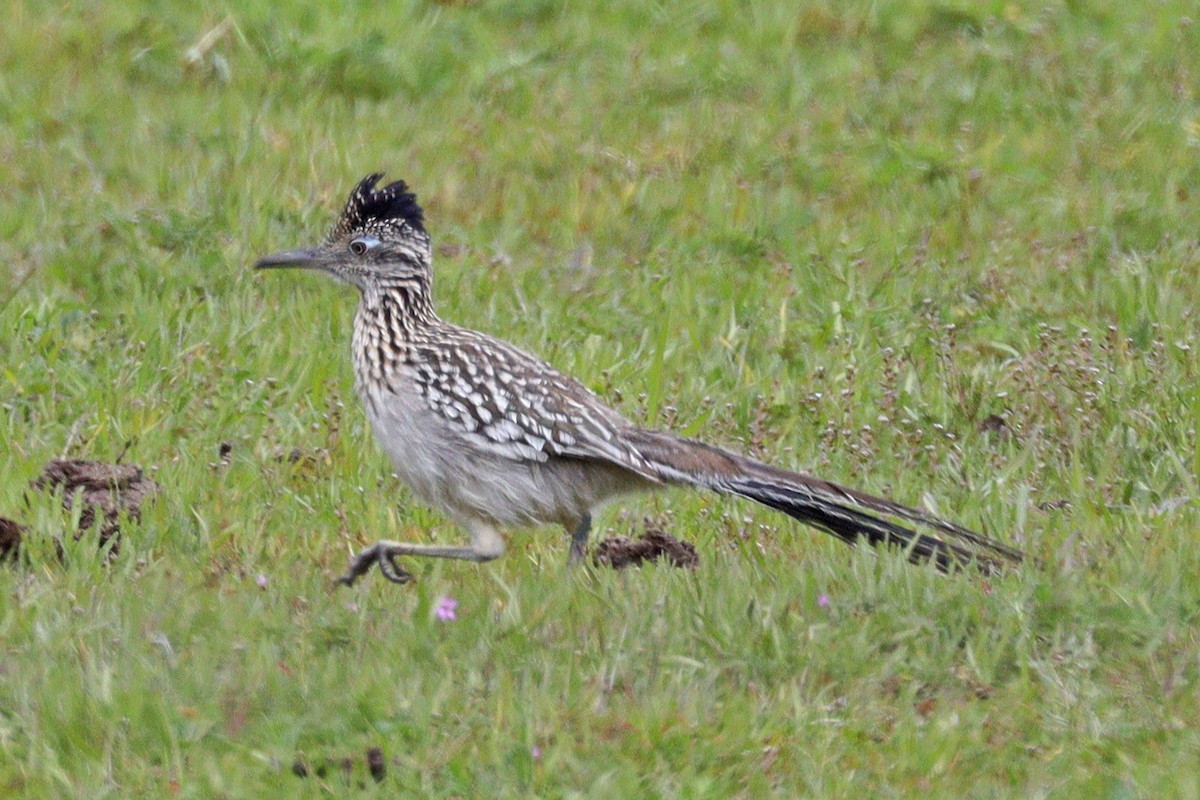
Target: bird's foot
378,553
391,569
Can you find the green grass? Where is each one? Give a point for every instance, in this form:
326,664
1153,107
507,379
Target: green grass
840,236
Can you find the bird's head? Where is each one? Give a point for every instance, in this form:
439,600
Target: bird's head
379,238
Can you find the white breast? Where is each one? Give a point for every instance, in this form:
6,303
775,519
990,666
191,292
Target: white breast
449,471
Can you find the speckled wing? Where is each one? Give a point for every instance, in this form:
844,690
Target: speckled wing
517,406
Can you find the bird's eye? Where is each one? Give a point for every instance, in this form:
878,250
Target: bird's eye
362,244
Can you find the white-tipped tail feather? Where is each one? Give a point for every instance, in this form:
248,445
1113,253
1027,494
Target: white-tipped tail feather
848,514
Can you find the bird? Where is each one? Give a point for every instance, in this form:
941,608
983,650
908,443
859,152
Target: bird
496,438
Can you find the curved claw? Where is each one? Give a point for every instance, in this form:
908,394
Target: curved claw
360,565
392,570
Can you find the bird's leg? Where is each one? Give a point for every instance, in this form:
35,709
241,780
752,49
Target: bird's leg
385,554
486,544
579,540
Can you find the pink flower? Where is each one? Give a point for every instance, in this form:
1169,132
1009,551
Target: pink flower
447,609
536,753
261,581
823,600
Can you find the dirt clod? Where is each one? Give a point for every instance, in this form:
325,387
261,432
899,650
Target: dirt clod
619,552
107,490
10,538
995,424
376,764
345,765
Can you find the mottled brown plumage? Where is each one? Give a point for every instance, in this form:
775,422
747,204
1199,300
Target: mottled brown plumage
498,438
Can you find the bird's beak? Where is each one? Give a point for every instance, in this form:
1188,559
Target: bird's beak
301,259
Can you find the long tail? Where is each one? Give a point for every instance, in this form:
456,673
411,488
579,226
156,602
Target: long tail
848,514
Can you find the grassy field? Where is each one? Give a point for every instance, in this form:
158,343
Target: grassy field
942,251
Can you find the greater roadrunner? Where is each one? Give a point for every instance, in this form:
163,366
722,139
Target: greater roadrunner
497,438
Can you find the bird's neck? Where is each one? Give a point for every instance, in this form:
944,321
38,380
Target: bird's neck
400,307
392,321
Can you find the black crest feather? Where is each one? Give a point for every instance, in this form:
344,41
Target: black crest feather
392,206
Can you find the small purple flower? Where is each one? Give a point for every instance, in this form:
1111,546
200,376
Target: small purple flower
823,600
536,753
447,609
261,581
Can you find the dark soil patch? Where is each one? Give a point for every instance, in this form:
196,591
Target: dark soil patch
619,552
996,425
376,764
374,760
104,492
10,538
